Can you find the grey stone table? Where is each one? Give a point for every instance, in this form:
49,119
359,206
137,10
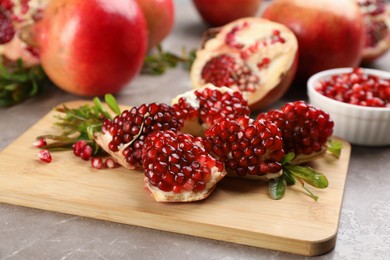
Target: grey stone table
364,230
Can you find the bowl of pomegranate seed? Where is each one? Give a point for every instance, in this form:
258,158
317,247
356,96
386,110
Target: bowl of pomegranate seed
358,101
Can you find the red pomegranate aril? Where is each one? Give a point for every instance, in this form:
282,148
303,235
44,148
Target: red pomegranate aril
97,163
45,156
358,88
39,143
86,153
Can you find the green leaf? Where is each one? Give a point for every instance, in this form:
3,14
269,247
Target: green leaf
308,175
290,180
277,187
112,103
288,158
335,147
99,107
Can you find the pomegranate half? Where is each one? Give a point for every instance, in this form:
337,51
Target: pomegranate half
89,47
330,32
377,23
252,55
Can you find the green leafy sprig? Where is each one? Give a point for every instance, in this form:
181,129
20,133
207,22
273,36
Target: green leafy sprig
159,61
18,83
291,174
80,124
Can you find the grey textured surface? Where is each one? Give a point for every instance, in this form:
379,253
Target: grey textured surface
364,230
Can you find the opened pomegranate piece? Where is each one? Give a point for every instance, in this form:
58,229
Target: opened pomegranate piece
377,23
202,108
246,147
15,16
124,136
178,168
253,55
305,129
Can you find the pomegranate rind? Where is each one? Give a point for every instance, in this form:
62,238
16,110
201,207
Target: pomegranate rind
283,58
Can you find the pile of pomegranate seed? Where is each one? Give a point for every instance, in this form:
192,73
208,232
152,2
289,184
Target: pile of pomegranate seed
128,130
178,162
99,163
246,147
82,149
357,88
305,129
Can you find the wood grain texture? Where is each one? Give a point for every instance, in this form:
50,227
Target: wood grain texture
238,211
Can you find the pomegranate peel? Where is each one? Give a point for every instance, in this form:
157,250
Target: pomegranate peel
253,55
178,168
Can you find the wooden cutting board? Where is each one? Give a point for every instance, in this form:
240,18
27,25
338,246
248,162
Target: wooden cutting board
238,211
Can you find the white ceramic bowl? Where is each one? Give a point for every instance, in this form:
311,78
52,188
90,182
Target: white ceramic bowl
356,124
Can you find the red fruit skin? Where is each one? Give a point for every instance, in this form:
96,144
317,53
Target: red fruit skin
91,48
327,38
159,15
221,12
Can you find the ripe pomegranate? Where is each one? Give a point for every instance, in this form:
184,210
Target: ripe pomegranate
15,16
330,32
123,137
90,47
220,12
159,16
204,107
253,55
377,22
178,168
246,147
305,129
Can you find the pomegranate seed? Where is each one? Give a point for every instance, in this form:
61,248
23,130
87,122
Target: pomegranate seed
86,153
110,163
39,143
45,156
97,163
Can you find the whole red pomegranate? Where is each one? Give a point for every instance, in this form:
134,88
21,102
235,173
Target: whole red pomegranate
330,32
90,47
159,16
221,12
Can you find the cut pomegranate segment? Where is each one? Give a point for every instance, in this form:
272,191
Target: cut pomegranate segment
252,55
178,168
247,148
305,129
377,23
21,14
202,108
124,136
